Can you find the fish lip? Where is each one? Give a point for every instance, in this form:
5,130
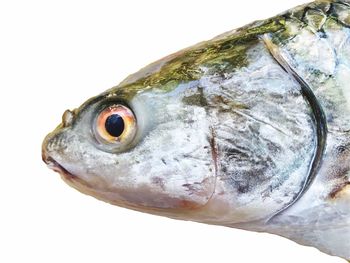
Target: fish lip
49,160
55,166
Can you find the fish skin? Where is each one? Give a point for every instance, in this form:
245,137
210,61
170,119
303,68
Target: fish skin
226,134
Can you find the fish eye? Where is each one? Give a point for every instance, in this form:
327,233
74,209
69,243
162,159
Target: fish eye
115,125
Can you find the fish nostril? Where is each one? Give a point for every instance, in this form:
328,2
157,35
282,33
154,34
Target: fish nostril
67,118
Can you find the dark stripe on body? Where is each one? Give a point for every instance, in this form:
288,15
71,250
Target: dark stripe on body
319,119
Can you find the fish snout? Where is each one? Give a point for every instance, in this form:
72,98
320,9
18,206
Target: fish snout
47,150
52,163
55,143
50,148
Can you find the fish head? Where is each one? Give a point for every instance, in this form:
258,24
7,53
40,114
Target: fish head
145,150
247,130
192,137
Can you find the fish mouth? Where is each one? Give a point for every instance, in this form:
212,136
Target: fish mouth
50,161
56,166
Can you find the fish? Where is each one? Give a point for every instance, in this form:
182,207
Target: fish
248,130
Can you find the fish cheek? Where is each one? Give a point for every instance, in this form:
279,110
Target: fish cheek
172,166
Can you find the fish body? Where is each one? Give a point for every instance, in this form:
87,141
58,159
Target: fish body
248,130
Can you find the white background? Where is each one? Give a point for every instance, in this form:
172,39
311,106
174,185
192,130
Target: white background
53,56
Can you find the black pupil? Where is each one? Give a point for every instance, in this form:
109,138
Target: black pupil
114,125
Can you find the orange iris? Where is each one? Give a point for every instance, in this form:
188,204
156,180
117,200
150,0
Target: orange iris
116,124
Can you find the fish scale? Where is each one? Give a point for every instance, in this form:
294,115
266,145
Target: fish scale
328,78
